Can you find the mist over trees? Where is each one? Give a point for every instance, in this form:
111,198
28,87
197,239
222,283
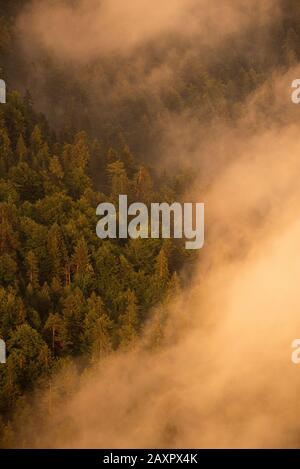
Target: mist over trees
72,136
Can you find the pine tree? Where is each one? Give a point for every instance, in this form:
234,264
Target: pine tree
22,151
97,328
56,251
143,185
161,268
6,154
36,145
73,320
32,269
129,321
55,326
81,258
119,183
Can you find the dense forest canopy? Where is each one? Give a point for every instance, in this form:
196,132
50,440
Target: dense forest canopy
74,134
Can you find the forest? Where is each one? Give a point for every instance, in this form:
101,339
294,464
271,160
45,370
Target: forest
73,136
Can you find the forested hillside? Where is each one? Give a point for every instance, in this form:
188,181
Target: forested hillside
67,298
64,293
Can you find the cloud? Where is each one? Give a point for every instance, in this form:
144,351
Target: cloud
224,377
227,380
88,29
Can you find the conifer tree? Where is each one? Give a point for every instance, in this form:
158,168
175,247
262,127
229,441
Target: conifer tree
129,321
